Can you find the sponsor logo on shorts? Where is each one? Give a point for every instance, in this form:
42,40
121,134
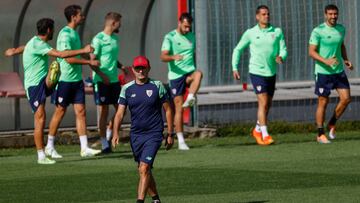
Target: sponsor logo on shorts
321,90
102,99
60,99
149,158
133,95
173,91
258,88
36,103
149,93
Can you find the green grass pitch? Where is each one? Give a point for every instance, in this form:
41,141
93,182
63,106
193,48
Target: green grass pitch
229,169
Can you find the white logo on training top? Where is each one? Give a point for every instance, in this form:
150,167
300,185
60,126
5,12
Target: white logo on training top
148,158
173,91
36,103
60,99
258,88
149,93
321,90
102,99
133,95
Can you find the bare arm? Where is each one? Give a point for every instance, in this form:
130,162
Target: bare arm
170,123
166,57
96,69
117,124
313,53
169,117
70,53
348,63
14,51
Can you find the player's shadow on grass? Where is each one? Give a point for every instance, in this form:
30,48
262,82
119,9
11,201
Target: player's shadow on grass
113,155
223,145
6,155
261,201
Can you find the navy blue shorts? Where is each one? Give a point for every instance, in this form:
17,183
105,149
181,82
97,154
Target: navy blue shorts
106,94
69,93
325,83
178,86
145,147
263,84
37,94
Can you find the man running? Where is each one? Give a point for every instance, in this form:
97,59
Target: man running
326,47
267,48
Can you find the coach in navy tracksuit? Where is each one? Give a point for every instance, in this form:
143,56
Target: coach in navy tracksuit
145,98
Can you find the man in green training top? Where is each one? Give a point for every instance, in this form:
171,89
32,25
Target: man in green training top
178,49
326,47
37,77
267,48
106,92
70,89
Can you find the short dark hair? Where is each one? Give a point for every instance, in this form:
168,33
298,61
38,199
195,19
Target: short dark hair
43,25
185,16
331,7
71,10
261,7
113,16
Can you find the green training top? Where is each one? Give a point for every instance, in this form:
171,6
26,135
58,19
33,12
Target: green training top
328,41
68,39
265,45
35,61
184,45
107,51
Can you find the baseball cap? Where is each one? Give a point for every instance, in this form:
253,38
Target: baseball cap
141,61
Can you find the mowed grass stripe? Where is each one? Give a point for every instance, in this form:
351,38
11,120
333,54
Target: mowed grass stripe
220,169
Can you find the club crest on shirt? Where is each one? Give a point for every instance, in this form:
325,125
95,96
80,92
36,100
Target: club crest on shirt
60,99
321,90
36,103
149,93
173,91
258,88
102,99
273,36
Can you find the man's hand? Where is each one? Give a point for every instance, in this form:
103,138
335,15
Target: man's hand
177,57
236,75
95,63
169,140
105,79
279,60
10,52
331,61
125,69
348,64
88,49
115,139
